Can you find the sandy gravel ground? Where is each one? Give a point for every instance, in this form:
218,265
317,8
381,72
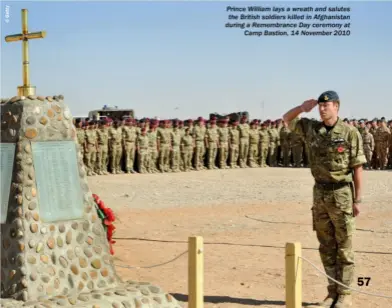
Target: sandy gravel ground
245,217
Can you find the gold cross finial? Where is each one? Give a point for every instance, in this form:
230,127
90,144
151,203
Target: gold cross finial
25,36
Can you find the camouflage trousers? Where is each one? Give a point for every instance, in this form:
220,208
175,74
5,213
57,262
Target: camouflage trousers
368,155
244,151
102,156
334,224
212,152
199,155
143,160
129,155
164,158
253,155
273,155
233,157
90,157
263,154
297,150
153,159
186,155
175,158
115,157
223,155
286,153
382,156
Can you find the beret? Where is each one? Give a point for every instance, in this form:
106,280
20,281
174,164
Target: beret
328,96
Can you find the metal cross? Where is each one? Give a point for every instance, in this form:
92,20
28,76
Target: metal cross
25,36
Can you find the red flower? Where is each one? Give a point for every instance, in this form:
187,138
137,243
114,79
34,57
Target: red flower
109,214
107,221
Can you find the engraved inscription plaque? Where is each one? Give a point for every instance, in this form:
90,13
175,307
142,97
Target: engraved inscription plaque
60,195
7,152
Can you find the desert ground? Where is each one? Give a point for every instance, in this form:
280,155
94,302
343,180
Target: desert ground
245,216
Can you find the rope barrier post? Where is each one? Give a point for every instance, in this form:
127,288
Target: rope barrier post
293,275
195,272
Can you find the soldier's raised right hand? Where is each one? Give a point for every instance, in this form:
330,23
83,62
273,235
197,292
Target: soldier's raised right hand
308,105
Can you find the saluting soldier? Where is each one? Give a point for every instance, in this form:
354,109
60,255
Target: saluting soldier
336,159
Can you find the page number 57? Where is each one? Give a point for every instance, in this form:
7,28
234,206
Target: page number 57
363,281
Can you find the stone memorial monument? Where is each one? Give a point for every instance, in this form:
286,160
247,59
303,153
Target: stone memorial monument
54,250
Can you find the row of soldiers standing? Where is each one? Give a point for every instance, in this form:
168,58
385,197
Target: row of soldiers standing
172,146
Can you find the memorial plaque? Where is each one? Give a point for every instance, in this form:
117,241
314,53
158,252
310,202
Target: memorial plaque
7,152
60,195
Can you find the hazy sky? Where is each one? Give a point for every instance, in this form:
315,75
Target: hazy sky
177,59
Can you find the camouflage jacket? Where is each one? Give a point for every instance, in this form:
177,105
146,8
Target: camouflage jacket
333,154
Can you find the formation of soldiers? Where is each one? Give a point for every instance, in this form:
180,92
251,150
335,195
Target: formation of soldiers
151,146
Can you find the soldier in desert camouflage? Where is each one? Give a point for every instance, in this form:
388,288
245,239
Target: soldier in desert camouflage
336,194
273,146
142,151
223,151
368,146
243,128
90,148
80,135
211,142
129,136
187,147
381,139
164,146
254,138
199,132
115,147
285,145
153,147
234,144
102,148
264,141
175,153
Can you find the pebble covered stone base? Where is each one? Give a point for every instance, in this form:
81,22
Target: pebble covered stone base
56,263
129,295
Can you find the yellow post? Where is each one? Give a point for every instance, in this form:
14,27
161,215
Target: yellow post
293,275
195,272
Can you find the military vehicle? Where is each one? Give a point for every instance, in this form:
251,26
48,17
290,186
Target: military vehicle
232,116
111,112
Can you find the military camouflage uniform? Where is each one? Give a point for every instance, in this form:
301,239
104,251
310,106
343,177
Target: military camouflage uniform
129,136
234,138
273,146
175,136
264,142
164,142
212,138
244,142
187,146
91,149
115,148
381,139
223,132
153,148
254,138
368,146
285,146
199,132
333,156
142,151
102,149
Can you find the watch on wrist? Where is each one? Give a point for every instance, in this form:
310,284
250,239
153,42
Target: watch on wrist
358,201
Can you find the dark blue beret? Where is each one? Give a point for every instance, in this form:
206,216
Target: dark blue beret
328,96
